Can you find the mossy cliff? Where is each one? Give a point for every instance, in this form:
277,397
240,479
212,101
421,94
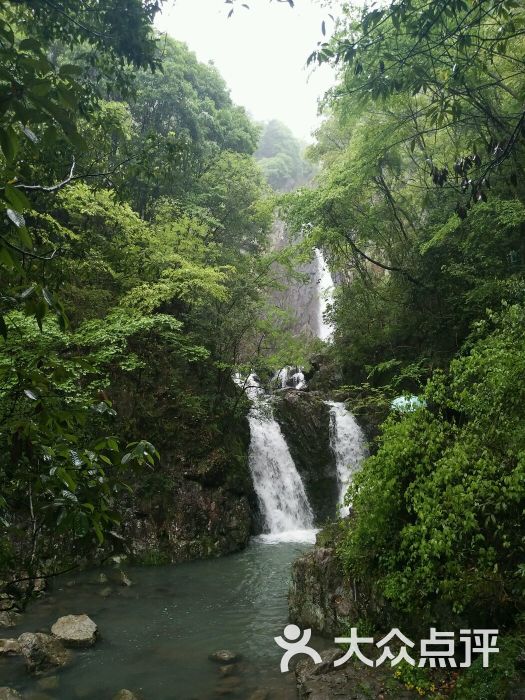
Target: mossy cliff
304,420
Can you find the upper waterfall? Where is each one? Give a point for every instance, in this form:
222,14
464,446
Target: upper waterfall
326,296
348,445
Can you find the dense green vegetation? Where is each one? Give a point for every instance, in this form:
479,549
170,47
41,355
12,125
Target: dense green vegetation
420,209
281,157
133,264
136,277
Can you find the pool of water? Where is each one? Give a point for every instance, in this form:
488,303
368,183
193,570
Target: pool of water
156,635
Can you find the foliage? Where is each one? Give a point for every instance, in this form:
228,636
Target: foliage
419,208
135,234
281,157
438,504
478,683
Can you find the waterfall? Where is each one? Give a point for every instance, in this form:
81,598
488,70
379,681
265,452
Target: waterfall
283,500
348,445
290,377
326,296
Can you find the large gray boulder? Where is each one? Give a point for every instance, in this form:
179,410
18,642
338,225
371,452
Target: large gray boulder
320,596
9,694
9,647
42,652
75,630
125,695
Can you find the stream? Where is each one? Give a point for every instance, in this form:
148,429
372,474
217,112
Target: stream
156,635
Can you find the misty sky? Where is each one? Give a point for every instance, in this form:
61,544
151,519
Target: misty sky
260,52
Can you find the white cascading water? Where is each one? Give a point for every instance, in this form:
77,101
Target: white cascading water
348,445
284,504
290,377
326,296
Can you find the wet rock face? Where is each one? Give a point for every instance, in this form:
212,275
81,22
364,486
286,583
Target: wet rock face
305,420
319,596
200,523
42,652
75,630
199,502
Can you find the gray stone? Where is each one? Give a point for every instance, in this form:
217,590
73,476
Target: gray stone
9,647
42,652
352,680
125,695
9,618
320,597
224,656
124,580
9,694
75,630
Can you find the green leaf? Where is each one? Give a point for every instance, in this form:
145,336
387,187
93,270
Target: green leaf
25,238
30,45
17,198
98,533
9,143
6,259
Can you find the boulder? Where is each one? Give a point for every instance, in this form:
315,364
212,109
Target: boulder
353,680
42,652
125,695
9,647
9,618
9,694
224,656
75,630
124,580
320,597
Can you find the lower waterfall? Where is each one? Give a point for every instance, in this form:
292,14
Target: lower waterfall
348,445
284,504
